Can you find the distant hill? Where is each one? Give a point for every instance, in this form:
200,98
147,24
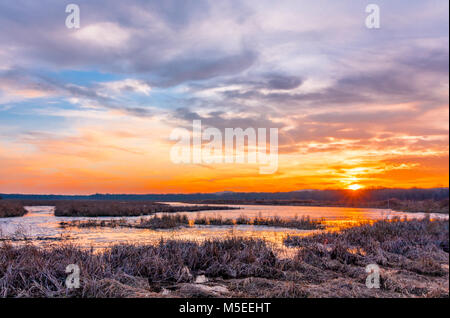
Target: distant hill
317,195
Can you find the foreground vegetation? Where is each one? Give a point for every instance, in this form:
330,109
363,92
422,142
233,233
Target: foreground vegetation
174,221
11,209
413,257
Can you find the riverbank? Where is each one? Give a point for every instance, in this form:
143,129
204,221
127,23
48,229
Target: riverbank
92,208
11,209
413,206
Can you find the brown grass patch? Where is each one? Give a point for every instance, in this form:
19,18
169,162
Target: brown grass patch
11,209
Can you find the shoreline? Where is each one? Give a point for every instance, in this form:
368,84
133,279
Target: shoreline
368,205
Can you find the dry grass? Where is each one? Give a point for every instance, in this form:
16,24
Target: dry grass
409,251
96,223
430,206
163,222
11,209
157,222
127,208
427,206
173,221
303,223
413,256
128,270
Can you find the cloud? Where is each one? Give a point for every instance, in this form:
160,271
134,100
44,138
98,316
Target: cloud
20,85
221,120
284,82
105,35
338,92
127,85
138,37
194,68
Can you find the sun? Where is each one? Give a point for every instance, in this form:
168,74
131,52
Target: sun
354,187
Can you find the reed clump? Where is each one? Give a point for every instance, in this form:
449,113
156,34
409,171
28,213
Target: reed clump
11,209
129,270
163,222
302,223
90,208
167,221
400,245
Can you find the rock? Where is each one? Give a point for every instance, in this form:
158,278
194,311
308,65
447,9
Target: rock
199,290
201,279
165,292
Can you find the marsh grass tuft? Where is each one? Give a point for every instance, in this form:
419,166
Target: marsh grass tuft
125,208
420,246
11,209
167,221
129,270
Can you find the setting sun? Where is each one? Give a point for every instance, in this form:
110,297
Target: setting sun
354,187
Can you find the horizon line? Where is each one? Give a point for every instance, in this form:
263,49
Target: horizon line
224,191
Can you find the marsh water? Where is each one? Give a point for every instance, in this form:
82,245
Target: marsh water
41,227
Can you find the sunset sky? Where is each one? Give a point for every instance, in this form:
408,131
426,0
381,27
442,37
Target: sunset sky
90,110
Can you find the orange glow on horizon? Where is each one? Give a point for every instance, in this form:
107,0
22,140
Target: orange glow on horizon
118,159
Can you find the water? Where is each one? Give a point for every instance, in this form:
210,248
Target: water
42,227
